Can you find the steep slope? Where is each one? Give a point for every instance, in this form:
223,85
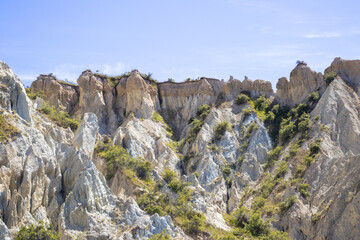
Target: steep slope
48,174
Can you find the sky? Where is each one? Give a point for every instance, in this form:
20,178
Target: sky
176,38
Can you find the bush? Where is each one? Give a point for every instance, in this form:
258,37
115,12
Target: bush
60,118
252,127
314,148
203,111
7,130
256,226
282,169
33,95
160,236
329,77
193,222
313,97
274,154
39,232
304,190
241,99
287,204
196,127
287,129
240,217
226,170
143,170
247,112
304,124
261,103
220,130
168,175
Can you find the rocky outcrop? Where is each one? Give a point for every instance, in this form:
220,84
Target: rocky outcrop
59,94
334,176
136,97
12,93
303,81
348,70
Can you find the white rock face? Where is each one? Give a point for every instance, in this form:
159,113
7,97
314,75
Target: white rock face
12,93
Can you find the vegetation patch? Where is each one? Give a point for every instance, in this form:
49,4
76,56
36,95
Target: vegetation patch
39,231
203,111
60,118
118,158
33,95
220,130
329,77
242,99
7,130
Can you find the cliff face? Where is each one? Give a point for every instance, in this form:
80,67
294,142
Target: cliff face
50,173
303,81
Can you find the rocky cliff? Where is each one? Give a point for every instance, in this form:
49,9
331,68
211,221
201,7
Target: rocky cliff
184,159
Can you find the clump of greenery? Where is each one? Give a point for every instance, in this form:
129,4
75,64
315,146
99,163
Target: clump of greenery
287,129
287,204
220,130
274,154
37,232
304,124
252,128
282,170
196,127
247,112
241,99
168,175
7,130
179,208
60,118
313,97
329,77
118,158
160,236
261,103
304,190
158,118
314,147
33,95
203,111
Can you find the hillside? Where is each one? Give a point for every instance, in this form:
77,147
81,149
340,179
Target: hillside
129,158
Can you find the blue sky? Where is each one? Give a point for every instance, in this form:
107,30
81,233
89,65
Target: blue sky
176,38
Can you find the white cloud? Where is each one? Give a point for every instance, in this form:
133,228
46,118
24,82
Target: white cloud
323,35
71,72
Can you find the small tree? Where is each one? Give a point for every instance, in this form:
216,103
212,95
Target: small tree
39,232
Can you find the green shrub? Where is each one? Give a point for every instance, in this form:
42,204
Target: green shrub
33,95
287,129
220,130
196,127
270,117
157,117
274,154
317,118
252,128
194,222
329,77
168,175
160,236
247,112
177,185
60,118
304,124
261,103
143,169
258,203
118,158
304,190
313,97
226,170
7,130
152,209
241,99
282,169
203,111
287,204
257,226
240,217
39,232
314,148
